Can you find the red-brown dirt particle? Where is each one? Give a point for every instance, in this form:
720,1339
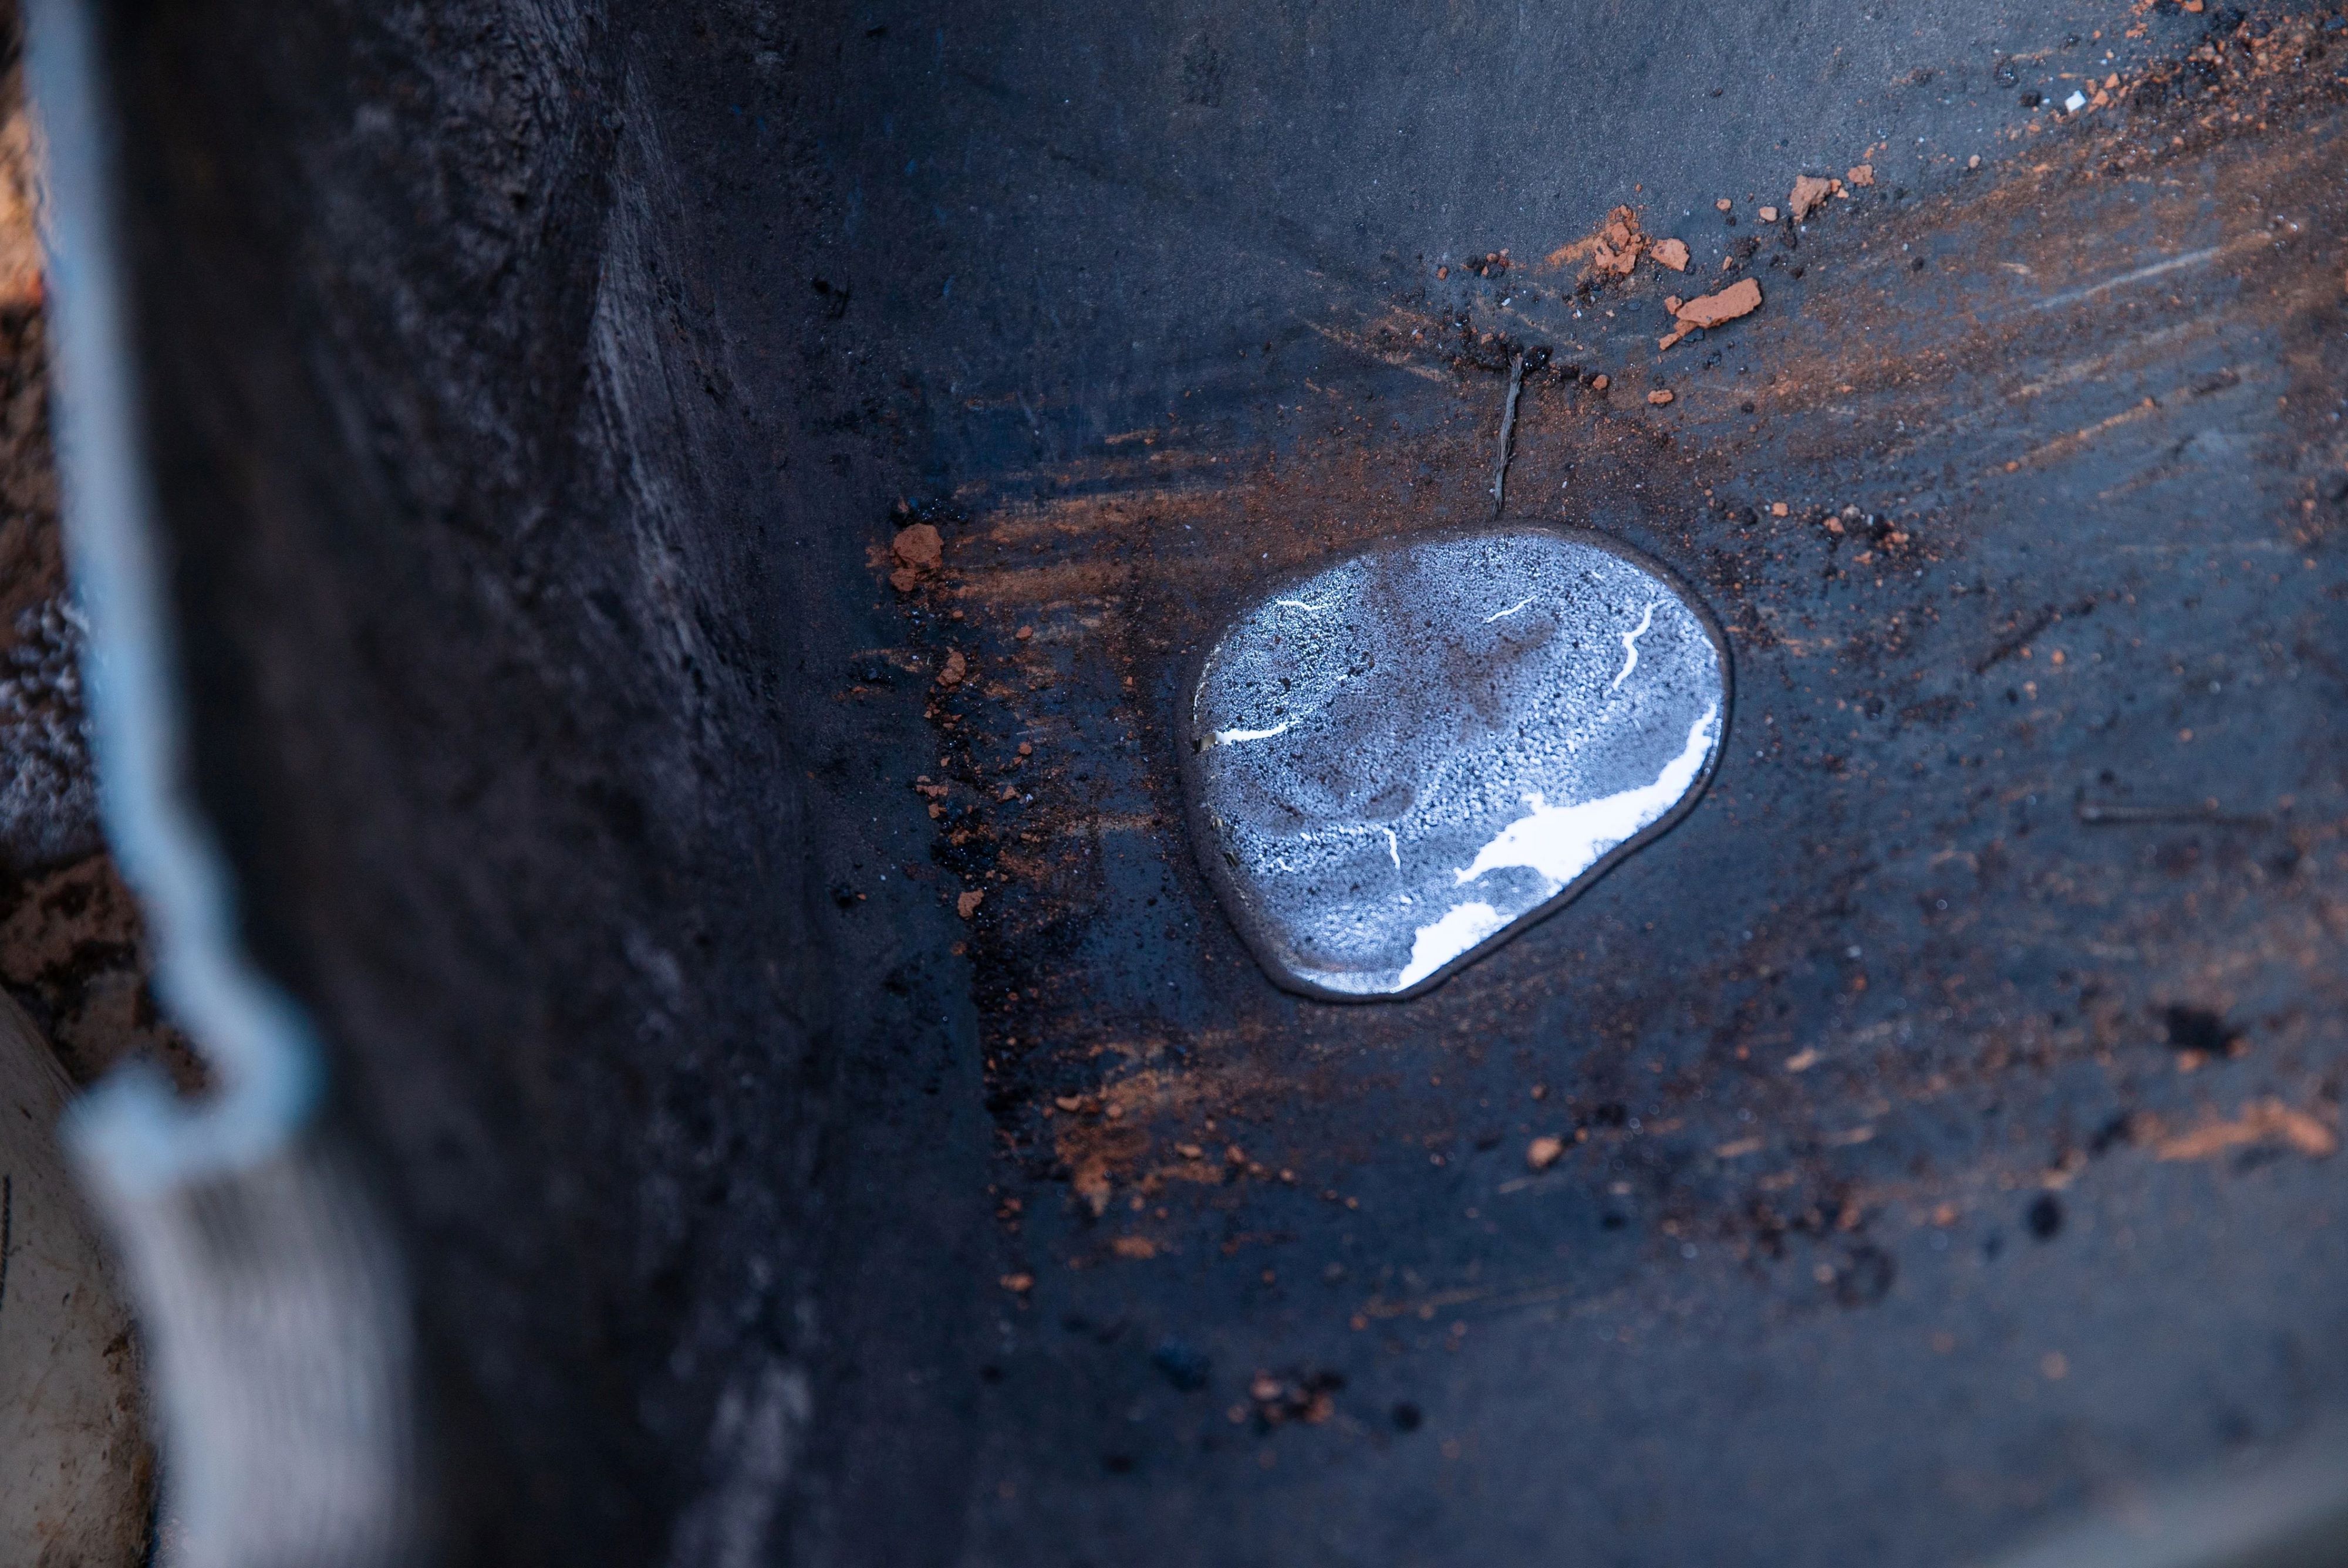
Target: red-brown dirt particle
918,551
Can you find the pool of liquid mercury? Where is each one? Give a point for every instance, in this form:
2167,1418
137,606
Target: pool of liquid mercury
1395,762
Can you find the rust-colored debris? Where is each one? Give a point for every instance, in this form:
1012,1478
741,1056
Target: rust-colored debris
918,551
1620,244
1659,397
1861,174
1105,541
2261,1121
955,670
967,905
1768,215
1600,382
1672,253
1810,193
1279,1400
1741,298
1097,1155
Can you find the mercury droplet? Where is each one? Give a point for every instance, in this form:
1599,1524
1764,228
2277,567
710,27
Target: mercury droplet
1400,760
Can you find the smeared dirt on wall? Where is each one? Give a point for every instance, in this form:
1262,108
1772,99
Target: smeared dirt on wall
1969,962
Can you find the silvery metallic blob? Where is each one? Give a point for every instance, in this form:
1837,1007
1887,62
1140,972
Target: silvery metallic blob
1399,761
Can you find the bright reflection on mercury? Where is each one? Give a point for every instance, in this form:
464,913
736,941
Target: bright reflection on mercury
1398,761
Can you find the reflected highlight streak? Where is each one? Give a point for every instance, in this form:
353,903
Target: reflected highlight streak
1630,647
1558,844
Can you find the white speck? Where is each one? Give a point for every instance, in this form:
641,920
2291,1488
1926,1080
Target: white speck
1393,847
1301,604
1630,647
1504,614
2075,102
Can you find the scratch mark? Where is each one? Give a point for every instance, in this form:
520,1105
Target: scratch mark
2098,814
1401,361
2020,637
2191,258
2063,445
1503,615
1508,432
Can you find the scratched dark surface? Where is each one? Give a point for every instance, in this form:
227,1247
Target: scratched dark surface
1865,1247
1947,1103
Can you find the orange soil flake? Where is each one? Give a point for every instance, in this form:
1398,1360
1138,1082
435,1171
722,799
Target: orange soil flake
1741,298
1620,243
918,551
1810,193
1672,253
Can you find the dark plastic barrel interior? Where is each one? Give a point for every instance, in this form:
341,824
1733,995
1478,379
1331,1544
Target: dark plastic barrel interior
1946,1105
